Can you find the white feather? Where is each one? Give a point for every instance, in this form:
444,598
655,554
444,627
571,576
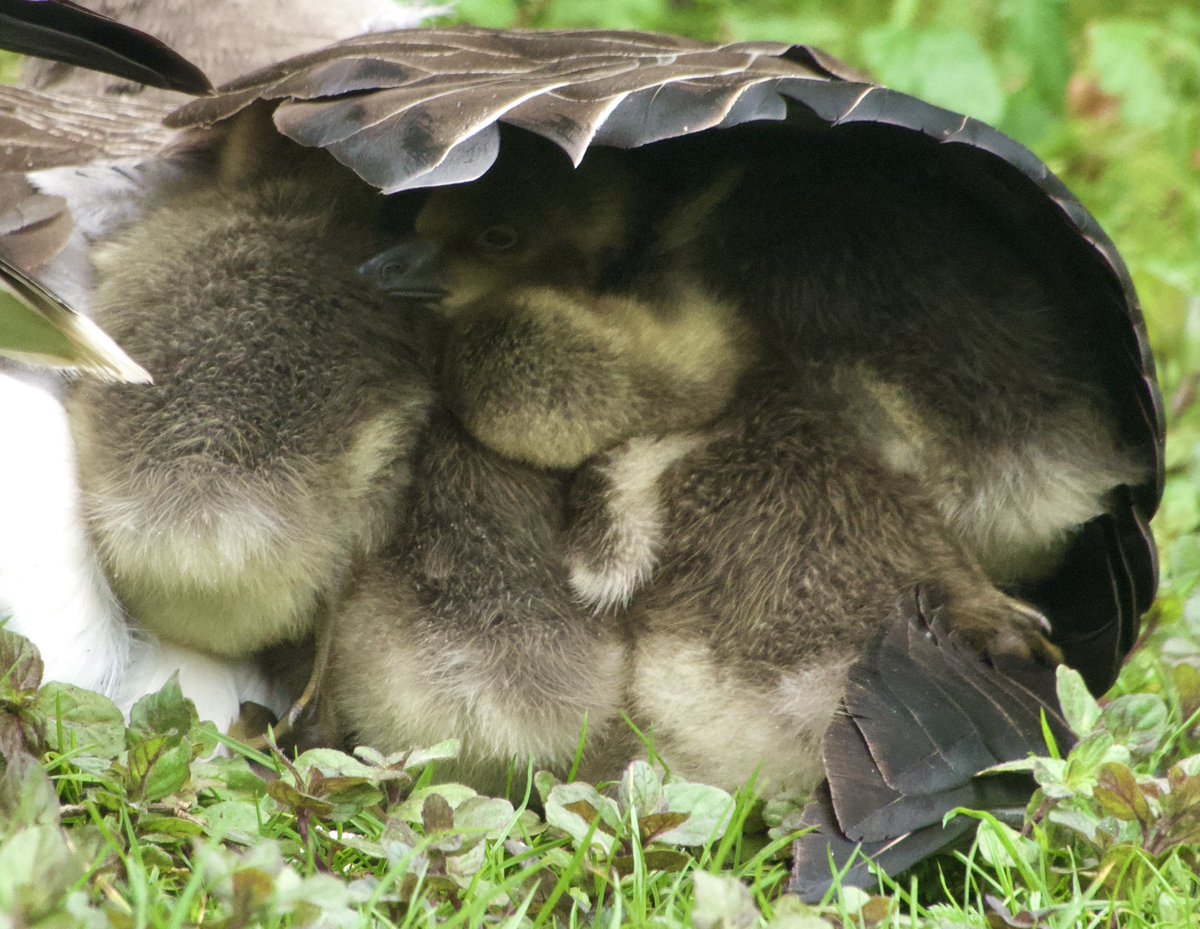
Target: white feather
50,581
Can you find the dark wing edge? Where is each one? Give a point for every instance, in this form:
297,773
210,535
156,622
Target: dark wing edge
889,787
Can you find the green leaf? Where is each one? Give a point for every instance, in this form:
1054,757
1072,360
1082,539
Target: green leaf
232,776
783,814
291,798
788,912
1028,119
27,797
709,809
332,763
1079,707
1138,721
37,865
453,794
348,796
544,782
1119,795
813,27
1181,807
399,842
436,815
1051,775
641,789
853,899
613,14
1191,609
423,757
1085,822
485,816
1003,847
653,859
168,772
315,899
652,827
464,867
20,664
234,820
142,756
579,810
1037,39
1186,678
159,827
1086,759
361,844
165,713
491,14
81,721
252,889
1125,57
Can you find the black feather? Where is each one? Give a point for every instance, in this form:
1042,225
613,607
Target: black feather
66,32
922,718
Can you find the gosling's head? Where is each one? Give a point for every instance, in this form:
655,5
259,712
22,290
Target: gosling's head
533,219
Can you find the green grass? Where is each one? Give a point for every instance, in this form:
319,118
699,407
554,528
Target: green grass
107,825
141,825
111,825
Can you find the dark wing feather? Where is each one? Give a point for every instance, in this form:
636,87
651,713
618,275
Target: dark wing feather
825,851
1094,596
66,32
445,90
922,718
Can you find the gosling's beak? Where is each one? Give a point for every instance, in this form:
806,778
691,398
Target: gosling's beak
410,269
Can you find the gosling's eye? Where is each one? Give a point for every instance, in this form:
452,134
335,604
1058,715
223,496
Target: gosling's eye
498,238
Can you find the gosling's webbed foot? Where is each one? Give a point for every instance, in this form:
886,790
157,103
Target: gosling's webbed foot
999,626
